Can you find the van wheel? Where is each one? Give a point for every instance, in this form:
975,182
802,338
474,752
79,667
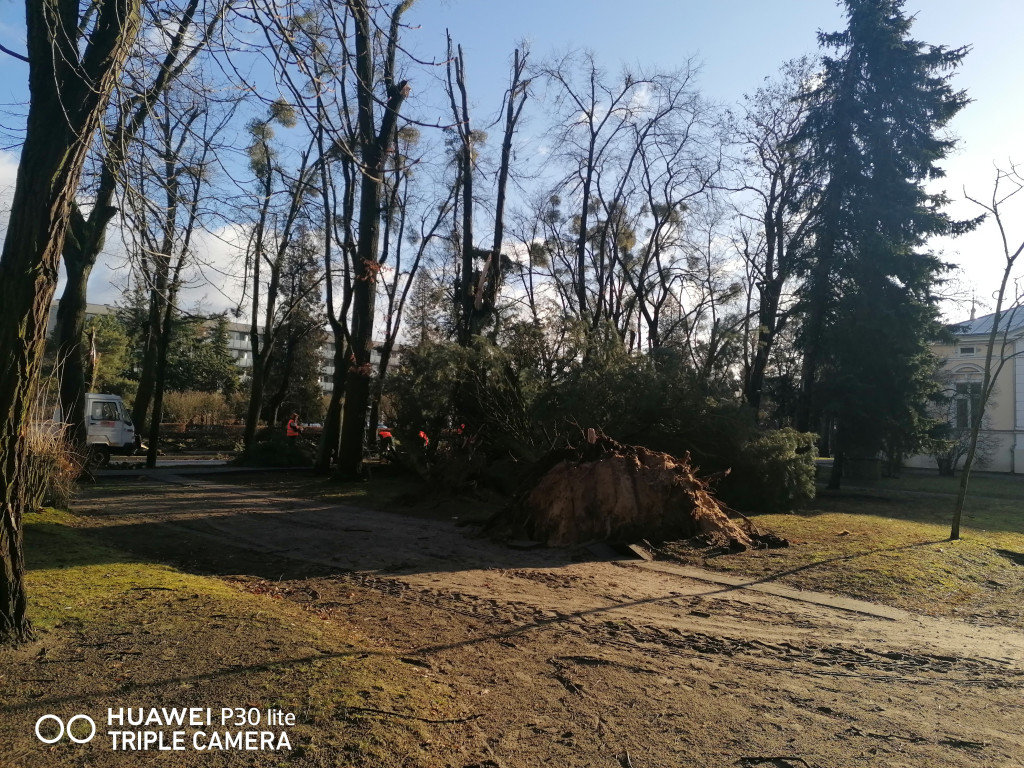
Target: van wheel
99,456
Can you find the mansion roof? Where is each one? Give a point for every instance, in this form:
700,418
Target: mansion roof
1011,320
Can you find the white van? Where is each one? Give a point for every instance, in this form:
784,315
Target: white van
109,428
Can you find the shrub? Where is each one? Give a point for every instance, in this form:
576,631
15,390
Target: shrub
53,465
196,407
440,386
773,472
513,410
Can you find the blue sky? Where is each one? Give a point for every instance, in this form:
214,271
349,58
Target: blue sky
737,42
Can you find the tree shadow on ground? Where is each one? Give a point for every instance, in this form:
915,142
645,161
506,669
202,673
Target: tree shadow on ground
1017,558
214,529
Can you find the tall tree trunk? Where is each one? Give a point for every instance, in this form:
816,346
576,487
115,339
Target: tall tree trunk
364,296
257,385
162,346
68,93
147,374
68,333
769,326
486,299
330,438
375,146
83,246
460,113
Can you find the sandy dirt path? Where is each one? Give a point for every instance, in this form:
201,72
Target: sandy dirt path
572,660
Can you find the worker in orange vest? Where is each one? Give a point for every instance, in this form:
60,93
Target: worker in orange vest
292,430
385,442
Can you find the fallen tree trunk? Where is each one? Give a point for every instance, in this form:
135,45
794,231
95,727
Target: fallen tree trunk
605,491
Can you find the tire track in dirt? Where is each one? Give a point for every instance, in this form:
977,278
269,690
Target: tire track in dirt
808,658
602,661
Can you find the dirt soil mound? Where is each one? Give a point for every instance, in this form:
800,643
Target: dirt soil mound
606,491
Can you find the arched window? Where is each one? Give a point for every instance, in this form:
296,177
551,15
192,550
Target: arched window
967,381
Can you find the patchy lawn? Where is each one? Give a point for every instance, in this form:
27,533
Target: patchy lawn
442,649
889,544
115,631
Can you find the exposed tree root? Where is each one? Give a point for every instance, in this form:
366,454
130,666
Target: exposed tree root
603,490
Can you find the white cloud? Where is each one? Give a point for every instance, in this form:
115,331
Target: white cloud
8,175
216,283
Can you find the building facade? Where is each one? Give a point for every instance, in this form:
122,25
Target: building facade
963,366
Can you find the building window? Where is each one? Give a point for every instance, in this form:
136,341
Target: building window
967,351
968,400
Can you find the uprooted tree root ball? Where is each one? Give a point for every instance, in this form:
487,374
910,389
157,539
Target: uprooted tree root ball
606,491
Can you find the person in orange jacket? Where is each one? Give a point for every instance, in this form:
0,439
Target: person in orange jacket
385,441
292,429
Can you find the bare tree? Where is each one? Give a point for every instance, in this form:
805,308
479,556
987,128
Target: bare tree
282,199
597,112
477,288
180,36
488,286
74,58
310,51
338,228
167,174
773,183
379,98
338,64
640,150
1009,310
401,214
466,141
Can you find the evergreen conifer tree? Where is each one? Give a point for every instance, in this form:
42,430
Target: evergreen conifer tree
295,367
874,128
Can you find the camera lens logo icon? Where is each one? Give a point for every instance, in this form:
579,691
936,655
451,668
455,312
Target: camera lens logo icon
62,729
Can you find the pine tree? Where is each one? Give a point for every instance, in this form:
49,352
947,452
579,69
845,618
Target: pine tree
873,130
199,359
295,367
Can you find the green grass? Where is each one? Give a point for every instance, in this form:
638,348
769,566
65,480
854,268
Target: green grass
112,629
70,576
889,544
981,485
